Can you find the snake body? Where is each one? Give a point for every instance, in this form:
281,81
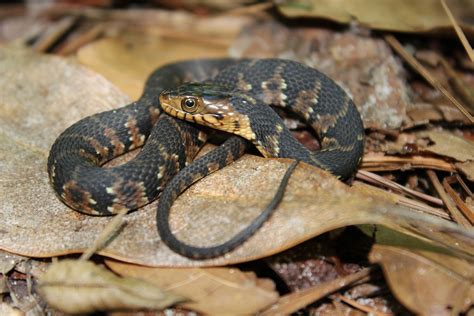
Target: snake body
235,100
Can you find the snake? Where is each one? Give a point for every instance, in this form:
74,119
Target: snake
182,104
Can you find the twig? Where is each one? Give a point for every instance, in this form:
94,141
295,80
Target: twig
82,39
459,32
251,9
388,163
361,307
392,41
464,185
459,202
103,237
455,213
376,179
53,33
422,207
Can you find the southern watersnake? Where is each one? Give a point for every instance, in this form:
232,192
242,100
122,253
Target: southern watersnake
234,97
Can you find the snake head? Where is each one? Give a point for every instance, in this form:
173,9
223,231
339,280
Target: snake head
206,104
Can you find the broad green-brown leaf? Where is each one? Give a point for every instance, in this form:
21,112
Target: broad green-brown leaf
212,291
396,15
78,287
425,279
42,95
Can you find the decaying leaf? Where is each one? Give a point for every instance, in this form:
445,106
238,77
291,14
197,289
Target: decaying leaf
448,145
212,291
425,279
75,286
37,224
396,15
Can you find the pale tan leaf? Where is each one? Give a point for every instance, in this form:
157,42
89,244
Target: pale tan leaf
467,168
212,291
427,279
398,15
448,145
75,286
127,61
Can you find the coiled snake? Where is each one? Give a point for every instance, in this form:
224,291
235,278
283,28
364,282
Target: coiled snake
234,98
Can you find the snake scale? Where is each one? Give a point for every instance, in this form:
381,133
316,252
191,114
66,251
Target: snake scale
234,97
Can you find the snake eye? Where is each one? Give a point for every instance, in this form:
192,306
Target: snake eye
189,104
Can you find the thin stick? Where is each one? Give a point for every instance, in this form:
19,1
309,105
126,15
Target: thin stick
364,308
392,41
53,33
376,179
459,32
453,210
468,213
104,236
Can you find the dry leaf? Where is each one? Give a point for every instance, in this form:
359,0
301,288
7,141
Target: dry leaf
396,15
448,145
427,279
127,61
467,168
8,261
212,291
37,224
428,283
74,286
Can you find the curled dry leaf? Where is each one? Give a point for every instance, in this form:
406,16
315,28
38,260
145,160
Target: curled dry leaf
37,224
396,15
75,286
426,280
212,291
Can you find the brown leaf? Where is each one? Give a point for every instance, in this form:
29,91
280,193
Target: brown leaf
127,61
427,280
37,224
75,286
448,145
467,168
212,291
396,15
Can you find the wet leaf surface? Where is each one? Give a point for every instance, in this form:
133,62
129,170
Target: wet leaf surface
75,286
212,291
38,225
